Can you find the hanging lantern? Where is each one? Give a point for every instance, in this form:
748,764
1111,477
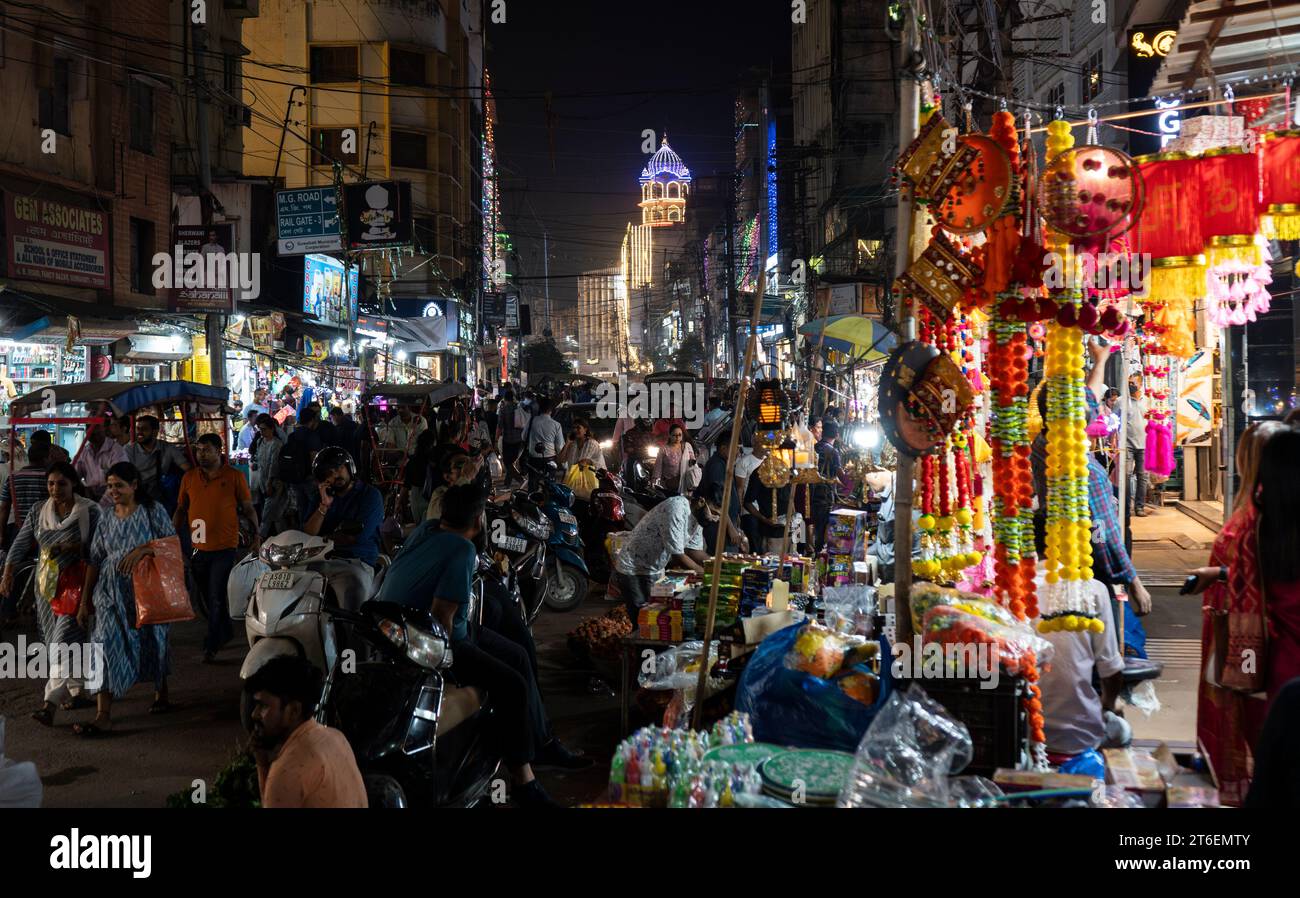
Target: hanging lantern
1281,200
1236,254
769,405
1170,232
1229,192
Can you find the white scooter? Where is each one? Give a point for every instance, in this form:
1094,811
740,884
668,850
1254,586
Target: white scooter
287,613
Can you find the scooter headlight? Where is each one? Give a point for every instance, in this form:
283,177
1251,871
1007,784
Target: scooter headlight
282,555
652,451
429,650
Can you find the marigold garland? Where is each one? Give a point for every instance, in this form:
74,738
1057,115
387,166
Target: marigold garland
1067,601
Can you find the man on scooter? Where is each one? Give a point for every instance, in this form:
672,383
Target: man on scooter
437,566
348,511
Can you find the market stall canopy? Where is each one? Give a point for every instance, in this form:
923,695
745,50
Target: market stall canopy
857,335
1225,41
125,397
435,393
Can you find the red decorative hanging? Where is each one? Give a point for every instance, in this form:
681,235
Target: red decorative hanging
1171,221
1281,201
1229,192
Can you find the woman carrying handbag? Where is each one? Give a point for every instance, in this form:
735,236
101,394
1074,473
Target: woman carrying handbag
59,532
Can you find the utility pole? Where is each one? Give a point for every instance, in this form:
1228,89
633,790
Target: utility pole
215,322
728,315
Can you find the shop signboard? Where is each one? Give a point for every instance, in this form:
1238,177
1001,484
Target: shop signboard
307,221
323,292
205,241
56,242
371,326
378,214
1148,45
494,309
512,312
844,299
263,332
348,379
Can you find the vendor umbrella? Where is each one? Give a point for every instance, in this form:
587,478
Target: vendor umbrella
855,335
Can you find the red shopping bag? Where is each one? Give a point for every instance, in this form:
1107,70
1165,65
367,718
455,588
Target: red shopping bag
159,579
67,595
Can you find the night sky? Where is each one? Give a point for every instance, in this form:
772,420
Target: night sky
613,69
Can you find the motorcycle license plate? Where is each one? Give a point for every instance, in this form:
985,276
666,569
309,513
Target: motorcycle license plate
277,580
568,518
511,543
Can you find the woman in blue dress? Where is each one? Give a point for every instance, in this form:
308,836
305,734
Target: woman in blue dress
130,655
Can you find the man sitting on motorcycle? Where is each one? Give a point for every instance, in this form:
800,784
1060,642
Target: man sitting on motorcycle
437,565
414,566
300,763
670,535
348,511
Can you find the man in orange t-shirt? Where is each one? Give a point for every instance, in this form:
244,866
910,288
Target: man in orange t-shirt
300,763
211,499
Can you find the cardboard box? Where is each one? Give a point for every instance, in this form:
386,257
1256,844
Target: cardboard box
1033,780
1137,771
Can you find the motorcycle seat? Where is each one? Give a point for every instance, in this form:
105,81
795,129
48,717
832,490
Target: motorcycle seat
459,704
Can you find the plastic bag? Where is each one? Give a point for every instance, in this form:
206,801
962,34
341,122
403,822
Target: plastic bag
793,707
582,480
849,609
926,596
678,667
907,755
20,784
159,579
1014,645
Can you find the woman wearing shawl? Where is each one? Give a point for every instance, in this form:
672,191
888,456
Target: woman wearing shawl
59,532
131,654
1254,567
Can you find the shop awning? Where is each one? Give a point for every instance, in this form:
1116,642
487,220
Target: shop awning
39,317
144,349
1229,41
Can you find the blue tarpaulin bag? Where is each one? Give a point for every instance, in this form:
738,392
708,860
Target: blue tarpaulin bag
793,707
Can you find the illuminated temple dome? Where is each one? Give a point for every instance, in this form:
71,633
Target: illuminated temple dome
665,182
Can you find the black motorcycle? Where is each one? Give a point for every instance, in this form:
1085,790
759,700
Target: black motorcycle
419,736
518,532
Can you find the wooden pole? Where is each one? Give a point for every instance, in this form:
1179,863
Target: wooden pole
807,410
908,234
701,689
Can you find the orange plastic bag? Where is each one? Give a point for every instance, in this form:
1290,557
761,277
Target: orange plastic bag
160,593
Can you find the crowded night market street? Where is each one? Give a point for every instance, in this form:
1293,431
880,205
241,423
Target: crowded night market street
775,404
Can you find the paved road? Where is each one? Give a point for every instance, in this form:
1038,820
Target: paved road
148,757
